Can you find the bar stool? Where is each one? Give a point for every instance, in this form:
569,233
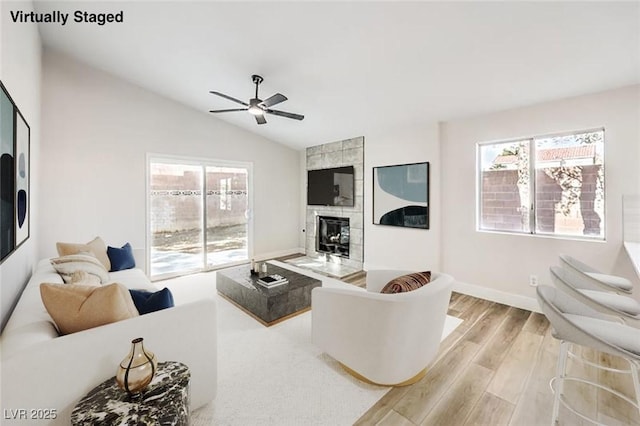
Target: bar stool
622,308
592,279
576,323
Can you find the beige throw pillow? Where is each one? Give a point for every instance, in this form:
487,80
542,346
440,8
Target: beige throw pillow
84,278
97,247
66,266
78,307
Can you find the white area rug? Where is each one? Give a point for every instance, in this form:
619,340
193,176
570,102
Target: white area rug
275,375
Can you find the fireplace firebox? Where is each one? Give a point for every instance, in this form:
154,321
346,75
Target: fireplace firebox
333,235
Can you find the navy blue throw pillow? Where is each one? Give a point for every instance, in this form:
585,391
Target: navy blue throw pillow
147,301
121,258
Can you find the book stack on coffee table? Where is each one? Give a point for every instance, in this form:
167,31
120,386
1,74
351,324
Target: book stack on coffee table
272,280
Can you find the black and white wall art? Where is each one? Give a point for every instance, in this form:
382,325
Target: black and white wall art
22,180
14,176
401,195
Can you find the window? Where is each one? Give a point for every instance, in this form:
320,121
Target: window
198,215
550,185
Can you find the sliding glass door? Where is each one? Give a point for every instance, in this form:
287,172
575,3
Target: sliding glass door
198,215
227,215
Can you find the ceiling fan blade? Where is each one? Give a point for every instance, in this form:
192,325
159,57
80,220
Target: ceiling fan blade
230,98
260,119
273,100
285,114
228,110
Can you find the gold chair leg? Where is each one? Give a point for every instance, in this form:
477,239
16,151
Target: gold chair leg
407,382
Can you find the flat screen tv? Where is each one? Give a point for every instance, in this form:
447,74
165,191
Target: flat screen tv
331,187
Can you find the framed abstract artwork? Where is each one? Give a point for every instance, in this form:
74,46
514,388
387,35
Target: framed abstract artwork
22,180
401,195
14,176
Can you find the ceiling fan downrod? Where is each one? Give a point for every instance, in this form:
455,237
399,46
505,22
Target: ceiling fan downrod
256,80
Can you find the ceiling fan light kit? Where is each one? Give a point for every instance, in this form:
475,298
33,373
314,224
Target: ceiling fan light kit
253,106
258,107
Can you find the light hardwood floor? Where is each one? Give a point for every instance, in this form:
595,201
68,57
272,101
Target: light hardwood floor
494,369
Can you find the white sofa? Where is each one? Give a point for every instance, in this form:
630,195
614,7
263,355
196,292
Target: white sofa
387,339
41,370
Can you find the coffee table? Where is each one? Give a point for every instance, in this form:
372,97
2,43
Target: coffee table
267,305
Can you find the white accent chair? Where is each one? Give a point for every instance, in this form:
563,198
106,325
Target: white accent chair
590,278
576,323
387,339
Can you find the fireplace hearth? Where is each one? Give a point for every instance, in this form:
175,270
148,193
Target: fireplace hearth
333,236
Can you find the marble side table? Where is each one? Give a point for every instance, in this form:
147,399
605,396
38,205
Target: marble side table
164,402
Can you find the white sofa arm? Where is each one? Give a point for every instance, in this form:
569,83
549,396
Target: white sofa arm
56,374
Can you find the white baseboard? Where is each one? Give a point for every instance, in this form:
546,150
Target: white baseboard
515,300
265,256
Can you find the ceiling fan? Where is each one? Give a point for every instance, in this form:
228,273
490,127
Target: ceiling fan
257,106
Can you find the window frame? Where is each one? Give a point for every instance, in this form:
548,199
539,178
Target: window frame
532,187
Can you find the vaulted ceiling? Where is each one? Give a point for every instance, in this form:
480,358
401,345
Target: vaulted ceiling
356,68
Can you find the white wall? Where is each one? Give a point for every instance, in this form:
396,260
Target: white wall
302,201
396,247
20,71
498,266
97,130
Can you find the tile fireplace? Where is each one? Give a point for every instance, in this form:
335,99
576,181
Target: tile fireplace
347,251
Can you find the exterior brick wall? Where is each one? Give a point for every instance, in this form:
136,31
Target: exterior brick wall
501,203
501,200
181,208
